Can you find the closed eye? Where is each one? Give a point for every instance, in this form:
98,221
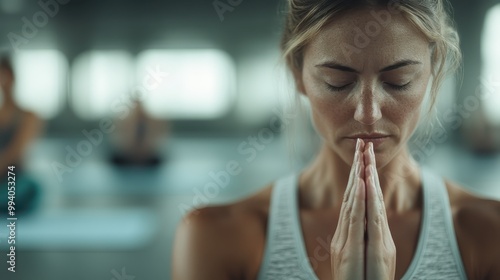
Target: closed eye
398,87
337,89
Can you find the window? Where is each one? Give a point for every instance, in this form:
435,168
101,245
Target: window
100,79
194,84
491,63
261,84
41,81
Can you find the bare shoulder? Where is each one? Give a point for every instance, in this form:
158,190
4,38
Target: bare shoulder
478,215
222,242
477,226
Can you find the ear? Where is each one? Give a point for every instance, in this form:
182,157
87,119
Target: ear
299,81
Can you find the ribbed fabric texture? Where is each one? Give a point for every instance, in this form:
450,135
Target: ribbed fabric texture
437,255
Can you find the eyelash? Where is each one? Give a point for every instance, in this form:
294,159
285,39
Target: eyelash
399,87
337,89
395,87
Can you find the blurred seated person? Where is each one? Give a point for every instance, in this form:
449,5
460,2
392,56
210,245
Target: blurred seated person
18,128
137,139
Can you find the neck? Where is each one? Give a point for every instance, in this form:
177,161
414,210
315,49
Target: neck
323,183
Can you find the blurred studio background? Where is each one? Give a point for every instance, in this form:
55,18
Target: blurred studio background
129,113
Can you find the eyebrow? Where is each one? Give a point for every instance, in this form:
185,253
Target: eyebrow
398,64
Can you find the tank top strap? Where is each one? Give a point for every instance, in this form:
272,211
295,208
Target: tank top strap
437,254
285,256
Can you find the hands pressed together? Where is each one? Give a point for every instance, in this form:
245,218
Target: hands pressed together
362,246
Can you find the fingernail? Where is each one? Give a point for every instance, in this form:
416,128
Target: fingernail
358,143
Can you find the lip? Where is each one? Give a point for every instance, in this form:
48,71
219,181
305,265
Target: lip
368,135
376,138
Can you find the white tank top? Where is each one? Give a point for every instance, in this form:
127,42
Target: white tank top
437,255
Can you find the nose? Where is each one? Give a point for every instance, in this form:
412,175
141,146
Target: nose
367,108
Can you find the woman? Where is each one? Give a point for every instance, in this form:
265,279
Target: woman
17,129
363,208
136,141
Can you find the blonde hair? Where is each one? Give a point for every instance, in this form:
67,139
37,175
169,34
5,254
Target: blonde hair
305,18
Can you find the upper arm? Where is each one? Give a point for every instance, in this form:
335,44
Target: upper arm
477,228
480,223
29,129
204,246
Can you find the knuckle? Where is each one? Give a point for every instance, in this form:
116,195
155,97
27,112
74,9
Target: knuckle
346,197
378,217
343,260
354,220
388,259
336,249
348,211
381,213
390,254
377,220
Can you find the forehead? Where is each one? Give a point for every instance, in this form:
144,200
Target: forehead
359,38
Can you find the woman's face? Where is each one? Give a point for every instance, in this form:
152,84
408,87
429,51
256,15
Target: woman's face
365,84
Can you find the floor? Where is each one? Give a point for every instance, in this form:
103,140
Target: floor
96,221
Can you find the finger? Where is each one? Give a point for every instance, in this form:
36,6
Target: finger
356,234
377,181
360,166
374,214
349,259
377,191
363,162
343,221
352,216
370,160
367,155
354,169
378,230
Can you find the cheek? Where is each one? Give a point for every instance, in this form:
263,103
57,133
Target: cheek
324,117
328,113
404,111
